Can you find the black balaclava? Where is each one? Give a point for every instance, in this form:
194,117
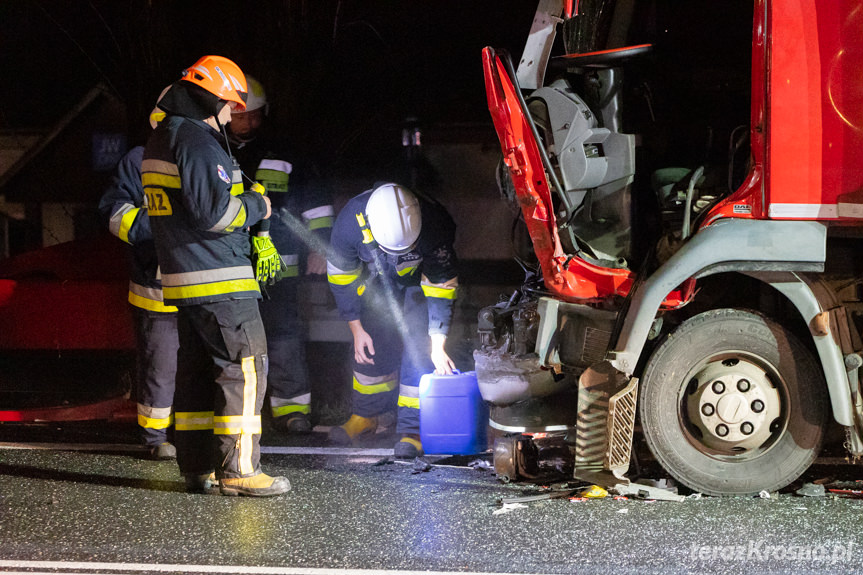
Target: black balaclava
190,101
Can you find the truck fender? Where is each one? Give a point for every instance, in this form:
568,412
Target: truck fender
757,246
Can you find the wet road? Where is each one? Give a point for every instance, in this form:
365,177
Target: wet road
94,506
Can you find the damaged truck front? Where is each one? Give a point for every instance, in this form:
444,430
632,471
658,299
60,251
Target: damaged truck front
690,177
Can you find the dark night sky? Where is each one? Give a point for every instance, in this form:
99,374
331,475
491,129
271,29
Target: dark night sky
339,73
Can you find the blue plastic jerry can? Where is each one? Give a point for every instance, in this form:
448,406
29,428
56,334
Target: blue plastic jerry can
453,415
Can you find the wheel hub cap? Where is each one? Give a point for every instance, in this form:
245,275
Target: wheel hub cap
733,404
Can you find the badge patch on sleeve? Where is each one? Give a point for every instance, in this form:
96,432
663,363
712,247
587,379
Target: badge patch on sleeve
223,175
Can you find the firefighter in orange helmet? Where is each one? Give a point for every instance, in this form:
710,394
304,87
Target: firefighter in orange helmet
200,214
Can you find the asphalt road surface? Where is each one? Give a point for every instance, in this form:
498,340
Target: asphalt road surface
80,499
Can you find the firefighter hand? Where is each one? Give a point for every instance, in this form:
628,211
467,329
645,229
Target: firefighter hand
268,263
316,263
364,347
443,365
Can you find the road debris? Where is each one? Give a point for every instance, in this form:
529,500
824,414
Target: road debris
594,492
420,466
507,507
811,490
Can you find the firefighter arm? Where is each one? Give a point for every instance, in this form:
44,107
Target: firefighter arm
443,365
122,205
364,347
213,201
319,220
316,263
440,298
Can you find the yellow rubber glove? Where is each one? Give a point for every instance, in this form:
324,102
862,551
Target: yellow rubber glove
269,266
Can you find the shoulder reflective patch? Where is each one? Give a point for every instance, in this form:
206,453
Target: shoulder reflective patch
367,236
361,220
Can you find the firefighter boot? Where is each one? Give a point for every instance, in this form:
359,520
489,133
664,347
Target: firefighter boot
260,485
294,423
408,447
355,427
200,483
162,451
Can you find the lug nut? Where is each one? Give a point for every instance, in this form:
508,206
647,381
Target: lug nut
757,406
747,428
718,387
721,430
708,409
743,385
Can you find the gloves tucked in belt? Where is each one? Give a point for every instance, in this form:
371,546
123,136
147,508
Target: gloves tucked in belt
269,266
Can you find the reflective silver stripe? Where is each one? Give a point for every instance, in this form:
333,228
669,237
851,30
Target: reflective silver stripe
208,276
304,399
334,271
409,390
276,165
403,268
117,218
512,429
154,412
291,259
160,166
154,294
321,212
364,379
235,204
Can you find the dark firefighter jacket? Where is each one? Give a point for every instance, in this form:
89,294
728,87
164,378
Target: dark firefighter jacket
302,214
122,208
354,260
199,213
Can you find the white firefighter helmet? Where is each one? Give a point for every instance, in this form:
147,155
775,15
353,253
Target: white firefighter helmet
158,114
393,213
257,97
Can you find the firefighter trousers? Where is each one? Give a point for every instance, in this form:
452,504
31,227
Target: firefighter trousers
221,381
288,384
156,367
397,321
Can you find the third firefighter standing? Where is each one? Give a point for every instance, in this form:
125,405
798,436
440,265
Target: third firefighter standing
300,230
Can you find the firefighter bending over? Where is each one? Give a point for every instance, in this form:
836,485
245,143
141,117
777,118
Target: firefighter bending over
392,270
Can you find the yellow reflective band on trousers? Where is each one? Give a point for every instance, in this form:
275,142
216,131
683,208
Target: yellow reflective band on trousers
246,443
409,396
439,292
370,385
236,424
288,409
193,420
154,417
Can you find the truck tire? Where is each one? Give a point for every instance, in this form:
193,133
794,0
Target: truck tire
733,404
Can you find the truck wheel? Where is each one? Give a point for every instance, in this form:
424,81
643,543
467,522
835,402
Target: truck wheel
733,404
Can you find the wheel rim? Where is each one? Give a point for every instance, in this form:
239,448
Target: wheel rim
733,406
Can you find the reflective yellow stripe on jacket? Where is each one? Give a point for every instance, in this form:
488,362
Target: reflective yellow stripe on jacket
203,283
148,298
